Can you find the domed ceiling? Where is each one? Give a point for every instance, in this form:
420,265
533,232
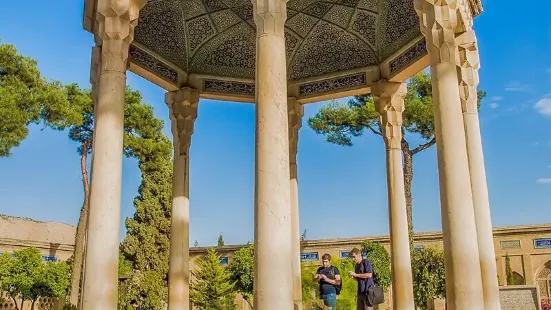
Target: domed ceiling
217,37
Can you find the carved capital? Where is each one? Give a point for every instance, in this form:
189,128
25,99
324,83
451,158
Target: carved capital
389,103
296,112
95,68
465,16
438,22
116,20
270,17
468,64
182,105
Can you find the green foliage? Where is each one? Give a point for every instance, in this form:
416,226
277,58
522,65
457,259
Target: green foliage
340,123
303,236
310,288
220,240
509,270
151,282
212,287
380,260
429,276
27,277
125,267
27,98
347,299
242,271
147,244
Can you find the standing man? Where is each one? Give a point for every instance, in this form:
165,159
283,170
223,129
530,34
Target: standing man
363,273
329,279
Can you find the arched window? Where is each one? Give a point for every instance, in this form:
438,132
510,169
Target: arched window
517,279
544,281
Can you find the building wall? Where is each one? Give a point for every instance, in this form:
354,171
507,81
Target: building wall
54,240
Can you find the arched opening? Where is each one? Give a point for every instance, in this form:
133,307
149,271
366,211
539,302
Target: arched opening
543,280
517,279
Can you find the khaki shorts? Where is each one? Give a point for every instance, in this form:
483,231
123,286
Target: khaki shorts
361,303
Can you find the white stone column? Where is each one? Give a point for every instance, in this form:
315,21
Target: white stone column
273,250
182,105
116,20
468,65
439,22
389,102
296,111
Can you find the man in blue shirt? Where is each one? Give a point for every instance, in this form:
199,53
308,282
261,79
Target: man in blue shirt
363,273
329,278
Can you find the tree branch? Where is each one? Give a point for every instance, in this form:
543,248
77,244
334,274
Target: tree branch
374,131
423,146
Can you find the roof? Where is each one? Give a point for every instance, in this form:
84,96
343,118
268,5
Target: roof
211,43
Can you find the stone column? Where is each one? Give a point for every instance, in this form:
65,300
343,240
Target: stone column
468,64
182,105
116,20
389,102
273,249
296,111
438,20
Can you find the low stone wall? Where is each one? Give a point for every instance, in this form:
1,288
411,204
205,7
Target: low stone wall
43,303
514,297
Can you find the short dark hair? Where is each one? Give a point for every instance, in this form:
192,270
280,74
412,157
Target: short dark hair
355,251
133,302
326,256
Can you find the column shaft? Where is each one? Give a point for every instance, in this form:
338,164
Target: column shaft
468,65
296,111
273,249
463,278
182,105
389,101
115,33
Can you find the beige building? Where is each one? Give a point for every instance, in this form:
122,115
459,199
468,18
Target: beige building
528,247
54,240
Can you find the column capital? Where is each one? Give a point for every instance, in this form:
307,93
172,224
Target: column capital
468,64
270,17
389,103
116,20
438,23
295,112
182,105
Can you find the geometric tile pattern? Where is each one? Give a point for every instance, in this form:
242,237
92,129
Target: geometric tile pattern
411,55
333,84
217,37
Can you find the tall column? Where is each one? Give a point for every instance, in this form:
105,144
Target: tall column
467,69
389,102
182,105
438,20
296,111
273,249
116,21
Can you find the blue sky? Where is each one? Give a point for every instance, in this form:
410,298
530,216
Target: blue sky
342,190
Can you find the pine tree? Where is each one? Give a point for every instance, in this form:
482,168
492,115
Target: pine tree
212,288
220,240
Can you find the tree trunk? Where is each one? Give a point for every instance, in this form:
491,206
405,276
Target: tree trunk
15,303
32,304
80,238
408,177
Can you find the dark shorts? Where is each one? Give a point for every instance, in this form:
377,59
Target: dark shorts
361,303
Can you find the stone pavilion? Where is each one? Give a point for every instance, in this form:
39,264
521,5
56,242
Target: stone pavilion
280,55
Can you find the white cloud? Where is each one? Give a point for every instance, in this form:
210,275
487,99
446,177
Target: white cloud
543,106
518,87
496,98
544,180
494,105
